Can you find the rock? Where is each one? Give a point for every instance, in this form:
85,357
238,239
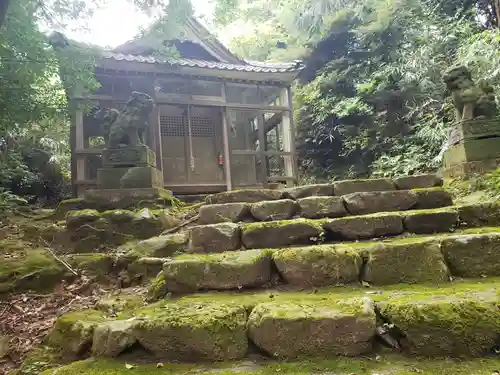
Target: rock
445,326
231,270
308,191
187,331
364,227
319,265
479,214
421,181
75,219
118,216
219,213
407,261
290,330
67,205
96,264
431,221
281,233
379,201
144,225
475,255
245,195
158,288
146,267
357,186
72,333
320,207
433,198
157,247
214,238
113,337
282,209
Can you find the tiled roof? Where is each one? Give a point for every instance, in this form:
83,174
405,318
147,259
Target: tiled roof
249,66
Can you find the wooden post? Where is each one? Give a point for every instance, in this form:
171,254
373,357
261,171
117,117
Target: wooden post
227,152
81,160
262,149
72,145
155,130
288,136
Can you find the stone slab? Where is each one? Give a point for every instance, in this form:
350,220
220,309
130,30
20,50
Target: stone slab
380,201
129,178
308,191
129,157
469,169
317,207
282,209
408,261
244,195
283,233
364,227
291,330
418,181
475,255
127,198
214,238
473,129
479,214
472,150
431,221
226,271
226,212
319,265
432,198
356,186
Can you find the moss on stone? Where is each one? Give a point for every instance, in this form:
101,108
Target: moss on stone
244,195
158,288
380,201
406,261
98,264
446,327
119,303
72,333
292,330
187,331
432,198
475,255
308,191
219,213
431,220
118,216
319,265
362,185
479,214
229,270
281,233
365,226
282,209
319,207
160,246
214,238
75,219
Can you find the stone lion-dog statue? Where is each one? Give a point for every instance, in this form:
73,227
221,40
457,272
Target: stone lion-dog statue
471,100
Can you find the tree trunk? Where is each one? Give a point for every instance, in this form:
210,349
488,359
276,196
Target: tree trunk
4,4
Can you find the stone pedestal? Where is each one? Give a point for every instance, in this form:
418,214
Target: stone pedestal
473,147
128,176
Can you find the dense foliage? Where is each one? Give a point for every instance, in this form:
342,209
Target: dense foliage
371,100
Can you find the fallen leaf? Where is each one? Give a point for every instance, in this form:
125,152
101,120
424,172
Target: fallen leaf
129,366
159,365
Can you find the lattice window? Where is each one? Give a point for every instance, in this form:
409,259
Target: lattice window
177,126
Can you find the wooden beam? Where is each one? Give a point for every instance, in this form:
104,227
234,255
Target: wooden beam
288,137
80,144
262,150
227,150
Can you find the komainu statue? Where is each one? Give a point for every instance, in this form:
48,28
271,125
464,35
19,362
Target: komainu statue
471,100
127,128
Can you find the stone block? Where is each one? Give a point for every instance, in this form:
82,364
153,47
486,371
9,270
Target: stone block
146,268
380,201
444,326
129,157
157,247
113,337
230,270
317,207
184,332
407,261
291,330
475,255
421,181
474,129
274,234
357,186
472,168
308,191
244,195
214,238
75,219
320,265
129,178
479,214
108,199
472,150
431,221
226,212
281,209
365,227
432,198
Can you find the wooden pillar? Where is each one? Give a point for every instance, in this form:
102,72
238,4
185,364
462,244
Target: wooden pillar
72,145
225,142
155,130
288,137
262,149
81,160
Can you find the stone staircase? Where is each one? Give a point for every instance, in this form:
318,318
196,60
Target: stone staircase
319,270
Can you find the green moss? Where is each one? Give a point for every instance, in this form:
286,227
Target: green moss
446,327
317,224
29,269
75,219
158,288
98,264
39,360
118,216
120,303
383,364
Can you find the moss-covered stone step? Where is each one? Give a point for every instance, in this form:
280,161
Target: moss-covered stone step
337,188
461,319
418,259
316,207
369,364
